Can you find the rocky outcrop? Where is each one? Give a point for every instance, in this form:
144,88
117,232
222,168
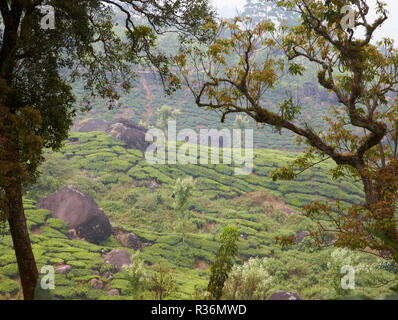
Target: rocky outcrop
96,284
80,211
90,125
63,268
118,258
130,240
114,292
129,132
284,295
152,185
72,234
121,129
300,236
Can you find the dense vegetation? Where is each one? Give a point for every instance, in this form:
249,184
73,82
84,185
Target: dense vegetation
116,177
204,232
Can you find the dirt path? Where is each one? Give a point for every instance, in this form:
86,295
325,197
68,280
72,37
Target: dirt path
149,110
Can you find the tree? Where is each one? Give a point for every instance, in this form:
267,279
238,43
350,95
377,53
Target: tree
249,281
182,192
242,123
37,66
259,10
138,279
166,113
164,283
223,263
360,134
339,259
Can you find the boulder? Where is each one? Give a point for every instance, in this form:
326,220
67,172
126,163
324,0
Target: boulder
129,132
90,125
133,242
114,292
300,236
152,185
108,275
96,284
63,269
80,211
130,241
96,273
118,258
284,295
72,234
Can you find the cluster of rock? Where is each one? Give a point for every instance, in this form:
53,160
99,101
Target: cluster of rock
121,129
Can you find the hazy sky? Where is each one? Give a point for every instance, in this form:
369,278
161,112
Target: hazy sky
390,27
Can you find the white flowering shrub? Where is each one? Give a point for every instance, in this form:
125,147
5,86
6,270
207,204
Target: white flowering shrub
136,276
249,281
342,260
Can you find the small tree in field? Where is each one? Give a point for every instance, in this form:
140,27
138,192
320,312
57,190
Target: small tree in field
182,192
242,123
223,263
360,134
139,281
163,282
166,113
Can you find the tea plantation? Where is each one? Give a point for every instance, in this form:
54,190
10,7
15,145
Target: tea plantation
137,198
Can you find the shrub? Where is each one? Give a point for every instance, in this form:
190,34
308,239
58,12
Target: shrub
135,274
109,178
122,285
52,233
119,165
7,259
163,282
8,286
77,264
37,216
65,292
58,224
10,270
249,281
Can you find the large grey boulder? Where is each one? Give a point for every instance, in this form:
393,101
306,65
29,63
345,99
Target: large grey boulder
284,295
118,258
80,211
129,132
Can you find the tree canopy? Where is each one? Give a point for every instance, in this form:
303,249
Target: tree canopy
359,133
39,65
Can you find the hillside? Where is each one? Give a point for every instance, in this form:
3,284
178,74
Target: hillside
123,185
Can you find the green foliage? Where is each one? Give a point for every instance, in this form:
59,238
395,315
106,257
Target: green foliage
166,113
249,281
223,262
8,286
135,274
57,224
339,258
163,282
182,191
